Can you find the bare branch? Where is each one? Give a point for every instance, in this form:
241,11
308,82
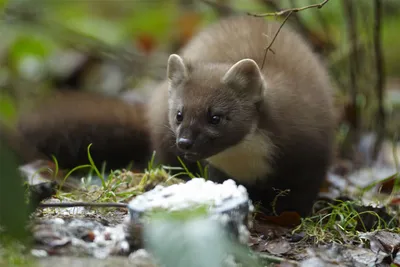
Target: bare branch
82,204
320,44
273,40
290,10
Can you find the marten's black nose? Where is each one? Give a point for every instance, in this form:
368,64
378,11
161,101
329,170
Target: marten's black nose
184,143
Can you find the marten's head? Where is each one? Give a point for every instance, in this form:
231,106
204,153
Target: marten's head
212,106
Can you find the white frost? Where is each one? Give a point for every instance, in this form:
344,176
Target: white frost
196,191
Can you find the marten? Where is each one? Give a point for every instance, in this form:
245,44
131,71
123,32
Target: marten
269,126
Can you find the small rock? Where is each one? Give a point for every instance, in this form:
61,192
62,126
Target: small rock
40,253
278,246
141,258
58,221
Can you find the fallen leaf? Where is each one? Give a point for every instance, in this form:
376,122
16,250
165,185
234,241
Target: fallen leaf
386,185
395,201
367,258
253,241
385,241
89,237
145,43
278,246
340,255
396,260
48,237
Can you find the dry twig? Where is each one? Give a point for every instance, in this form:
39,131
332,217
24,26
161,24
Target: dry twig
290,10
317,42
82,204
289,13
297,22
273,40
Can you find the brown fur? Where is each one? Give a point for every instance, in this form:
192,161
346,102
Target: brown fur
64,124
22,149
286,129
276,127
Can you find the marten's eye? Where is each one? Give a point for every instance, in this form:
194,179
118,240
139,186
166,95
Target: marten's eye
214,119
179,116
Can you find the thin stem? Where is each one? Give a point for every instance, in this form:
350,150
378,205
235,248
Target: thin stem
290,10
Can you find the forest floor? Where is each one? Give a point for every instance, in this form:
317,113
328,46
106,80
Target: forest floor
355,223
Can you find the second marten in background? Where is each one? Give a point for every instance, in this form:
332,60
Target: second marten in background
269,128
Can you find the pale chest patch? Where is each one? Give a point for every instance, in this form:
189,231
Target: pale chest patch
248,160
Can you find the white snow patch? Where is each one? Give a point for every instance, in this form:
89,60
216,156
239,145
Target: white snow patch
196,191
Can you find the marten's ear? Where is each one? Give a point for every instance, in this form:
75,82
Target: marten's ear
176,70
245,77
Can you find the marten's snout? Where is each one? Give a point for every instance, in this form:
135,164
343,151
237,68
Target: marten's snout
185,143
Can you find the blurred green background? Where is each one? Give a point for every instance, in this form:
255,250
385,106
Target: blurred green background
113,46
